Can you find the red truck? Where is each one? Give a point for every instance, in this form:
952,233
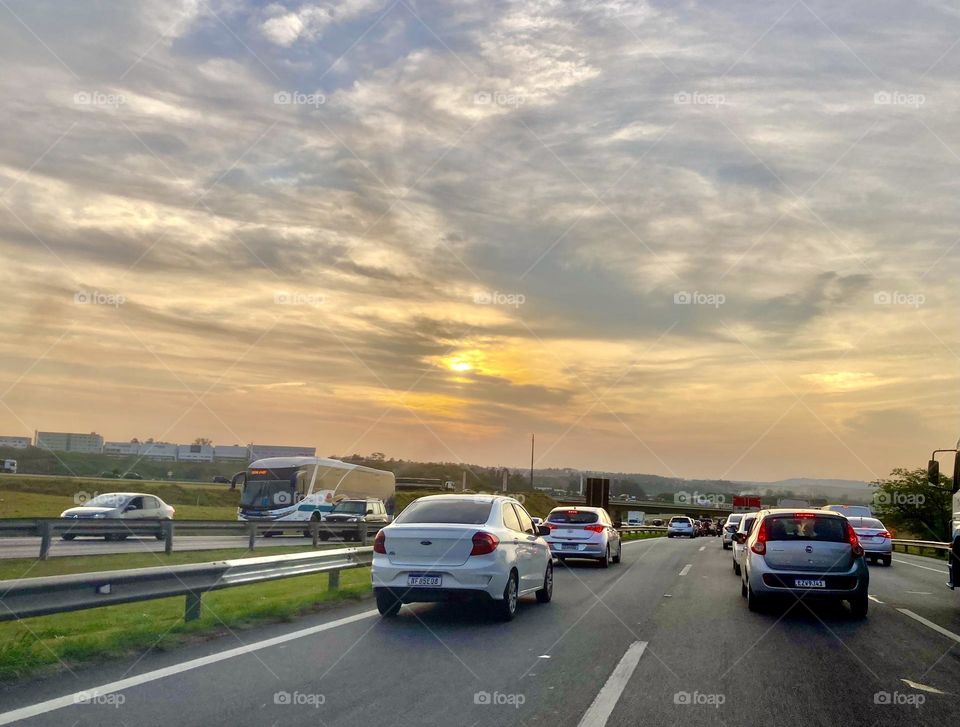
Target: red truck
746,503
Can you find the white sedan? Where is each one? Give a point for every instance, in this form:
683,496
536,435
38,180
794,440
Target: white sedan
122,505
453,547
584,532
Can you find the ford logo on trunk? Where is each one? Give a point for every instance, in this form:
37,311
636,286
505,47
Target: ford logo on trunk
809,549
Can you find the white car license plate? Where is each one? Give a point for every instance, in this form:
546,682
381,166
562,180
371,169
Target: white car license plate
804,583
424,580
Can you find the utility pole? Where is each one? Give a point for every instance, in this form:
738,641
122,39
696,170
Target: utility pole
532,440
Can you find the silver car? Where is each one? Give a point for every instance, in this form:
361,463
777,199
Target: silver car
729,528
738,547
680,527
583,532
119,505
875,538
810,554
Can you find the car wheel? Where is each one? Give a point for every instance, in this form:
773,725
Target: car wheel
268,534
387,604
545,594
669,535
605,560
887,560
67,537
743,588
736,567
753,601
506,609
859,605
619,555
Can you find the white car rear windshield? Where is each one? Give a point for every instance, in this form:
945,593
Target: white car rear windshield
575,517
457,512
679,521
789,527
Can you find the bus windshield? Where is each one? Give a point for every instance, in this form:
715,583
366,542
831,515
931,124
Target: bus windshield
269,488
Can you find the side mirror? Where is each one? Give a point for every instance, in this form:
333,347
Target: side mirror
740,538
369,512
933,472
238,479
542,530
537,520
130,508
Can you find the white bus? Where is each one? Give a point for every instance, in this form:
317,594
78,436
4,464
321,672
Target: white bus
303,488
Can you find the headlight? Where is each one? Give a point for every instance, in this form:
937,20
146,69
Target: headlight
353,519
99,514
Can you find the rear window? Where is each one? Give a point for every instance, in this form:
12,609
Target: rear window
866,522
574,517
787,527
734,519
747,523
459,512
679,521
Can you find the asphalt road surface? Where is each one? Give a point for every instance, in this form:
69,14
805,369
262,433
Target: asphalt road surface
30,547
662,639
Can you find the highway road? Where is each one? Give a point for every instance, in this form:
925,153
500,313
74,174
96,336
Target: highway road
662,639
30,547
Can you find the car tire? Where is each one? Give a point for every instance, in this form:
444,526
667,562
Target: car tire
67,537
506,609
754,602
743,589
887,560
669,535
605,560
736,568
545,594
859,605
387,604
619,555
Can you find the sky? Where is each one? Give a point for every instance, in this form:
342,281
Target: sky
711,240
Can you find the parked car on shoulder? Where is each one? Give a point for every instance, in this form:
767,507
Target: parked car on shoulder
221,480
457,547
583,532
132,476
808,554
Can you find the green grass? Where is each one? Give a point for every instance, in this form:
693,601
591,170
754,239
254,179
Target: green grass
641,536
48,643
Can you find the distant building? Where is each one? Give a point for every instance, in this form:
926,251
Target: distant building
16,442
159,450
122,449
261,451
230,452
70,442
195,453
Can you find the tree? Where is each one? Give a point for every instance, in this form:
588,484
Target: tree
378,456
203,441
906,500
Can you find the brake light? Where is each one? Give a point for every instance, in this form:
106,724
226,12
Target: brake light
484,543
804,515
884,534
380,543
760,545
854,542
595,528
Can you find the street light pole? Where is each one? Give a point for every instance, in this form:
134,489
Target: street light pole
532,440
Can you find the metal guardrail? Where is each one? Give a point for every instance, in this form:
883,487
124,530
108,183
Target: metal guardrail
118,529
28,597
643,528
921,545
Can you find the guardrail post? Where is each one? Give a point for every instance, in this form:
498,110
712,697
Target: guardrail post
314,533
193,606
167,527
333,583
252,532
46,535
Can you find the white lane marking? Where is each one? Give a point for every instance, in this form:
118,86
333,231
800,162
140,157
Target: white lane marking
929,624
686,569
600,710
920,593
922,687
917,565
703,548
874,599
635,541
70,699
